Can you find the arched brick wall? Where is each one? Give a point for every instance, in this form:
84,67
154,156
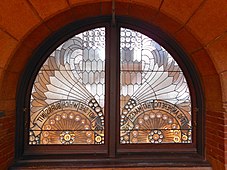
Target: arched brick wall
198,26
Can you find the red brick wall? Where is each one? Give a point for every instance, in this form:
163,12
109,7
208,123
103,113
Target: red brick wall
199,27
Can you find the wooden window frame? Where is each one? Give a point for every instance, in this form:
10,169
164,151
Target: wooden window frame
111,154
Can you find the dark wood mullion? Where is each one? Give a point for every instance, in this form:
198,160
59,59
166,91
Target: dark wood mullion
113,89
118,89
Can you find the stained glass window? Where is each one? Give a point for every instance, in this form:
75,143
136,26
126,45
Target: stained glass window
67,98
155,104
68,94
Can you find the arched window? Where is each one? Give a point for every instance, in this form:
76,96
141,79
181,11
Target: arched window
106,91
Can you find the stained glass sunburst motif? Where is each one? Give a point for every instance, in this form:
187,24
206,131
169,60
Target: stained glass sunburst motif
155,99
67,99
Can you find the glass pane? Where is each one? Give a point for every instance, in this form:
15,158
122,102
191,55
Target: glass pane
155,104
67,99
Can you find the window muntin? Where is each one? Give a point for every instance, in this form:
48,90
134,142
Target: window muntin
67,99
155,104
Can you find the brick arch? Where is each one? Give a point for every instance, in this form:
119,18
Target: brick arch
53,18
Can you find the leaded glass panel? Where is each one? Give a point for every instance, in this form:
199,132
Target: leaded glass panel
155,104
67,98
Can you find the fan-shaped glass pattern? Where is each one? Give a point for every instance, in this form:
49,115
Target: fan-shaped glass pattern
67,99
155,104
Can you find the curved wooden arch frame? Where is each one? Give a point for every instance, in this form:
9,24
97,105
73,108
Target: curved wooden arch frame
49,44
